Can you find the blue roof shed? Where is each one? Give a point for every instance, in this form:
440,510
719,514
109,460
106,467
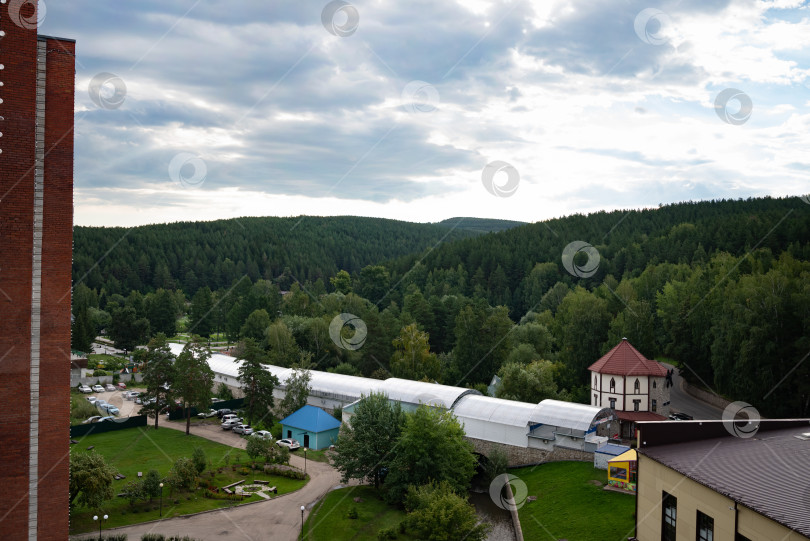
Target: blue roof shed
312,427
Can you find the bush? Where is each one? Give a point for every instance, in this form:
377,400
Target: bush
210,494
352,513
244,471
283,456
276,431
151,484
386,534
199,460
185,473
290,473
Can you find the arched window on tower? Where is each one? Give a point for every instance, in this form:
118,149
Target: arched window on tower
595,382
637,387
612,385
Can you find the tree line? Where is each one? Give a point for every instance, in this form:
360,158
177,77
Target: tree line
719,288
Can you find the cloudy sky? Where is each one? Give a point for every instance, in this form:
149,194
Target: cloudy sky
421,111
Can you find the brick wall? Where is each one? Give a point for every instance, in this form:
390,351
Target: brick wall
18,54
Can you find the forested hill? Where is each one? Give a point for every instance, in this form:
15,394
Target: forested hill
190,255
501,265
480,225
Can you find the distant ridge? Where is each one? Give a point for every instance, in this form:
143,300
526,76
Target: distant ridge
479,225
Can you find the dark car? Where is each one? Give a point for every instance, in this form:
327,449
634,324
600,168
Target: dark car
224,411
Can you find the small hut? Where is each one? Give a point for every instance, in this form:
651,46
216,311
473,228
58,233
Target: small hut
623,471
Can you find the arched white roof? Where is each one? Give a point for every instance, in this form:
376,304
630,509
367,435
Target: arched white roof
566,414
222,365
422,392
327,384
494,410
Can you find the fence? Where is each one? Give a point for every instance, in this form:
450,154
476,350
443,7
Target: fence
180,413
107,426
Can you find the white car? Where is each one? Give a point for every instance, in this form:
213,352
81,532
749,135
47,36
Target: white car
131,395
245,430
262,434
85,389
207,414
98,388
291,444
91,399
230,423
110,387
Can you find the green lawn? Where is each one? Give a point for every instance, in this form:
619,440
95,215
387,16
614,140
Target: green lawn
140,449
570,506
329,522
315,456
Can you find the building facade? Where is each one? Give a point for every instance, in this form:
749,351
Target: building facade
36,232
635,387
698,481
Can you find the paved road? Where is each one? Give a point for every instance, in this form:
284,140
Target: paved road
277,519
686,403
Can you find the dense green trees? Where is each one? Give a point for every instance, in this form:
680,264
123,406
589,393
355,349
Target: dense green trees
717,287
194,378
91,480
364,447
159,376
256,382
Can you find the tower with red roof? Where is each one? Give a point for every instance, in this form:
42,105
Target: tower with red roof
632,385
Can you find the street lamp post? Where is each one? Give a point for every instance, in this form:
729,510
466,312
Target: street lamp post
302,522
105,517
161,499
305,461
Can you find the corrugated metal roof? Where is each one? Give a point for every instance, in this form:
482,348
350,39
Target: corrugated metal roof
625,360
612,449
769,473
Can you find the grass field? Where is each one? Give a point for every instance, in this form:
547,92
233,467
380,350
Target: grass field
571,506
329,520
140,450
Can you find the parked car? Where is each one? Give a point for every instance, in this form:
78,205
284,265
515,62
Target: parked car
122,386
243,429
110,387
215,400
85,389
100,403
291,444
91,399
230,416
92,419
263,434
131,395
207,414
223,412
106,419
229,424
109,409
98,388
678,416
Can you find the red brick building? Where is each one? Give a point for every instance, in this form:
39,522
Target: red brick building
36,224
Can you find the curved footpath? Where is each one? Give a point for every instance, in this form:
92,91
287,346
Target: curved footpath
279,518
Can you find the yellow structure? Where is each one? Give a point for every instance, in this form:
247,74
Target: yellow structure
622,470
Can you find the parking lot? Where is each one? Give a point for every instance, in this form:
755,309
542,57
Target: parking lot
116,398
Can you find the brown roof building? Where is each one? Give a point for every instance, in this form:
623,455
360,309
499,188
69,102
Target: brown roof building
635,387
698,480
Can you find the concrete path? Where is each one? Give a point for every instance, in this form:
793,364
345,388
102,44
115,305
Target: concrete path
277,519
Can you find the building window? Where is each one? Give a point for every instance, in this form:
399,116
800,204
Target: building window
654,404
637,387
669,516
612,385
595,400
612,403
655,385
595,382
636,404
705,527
